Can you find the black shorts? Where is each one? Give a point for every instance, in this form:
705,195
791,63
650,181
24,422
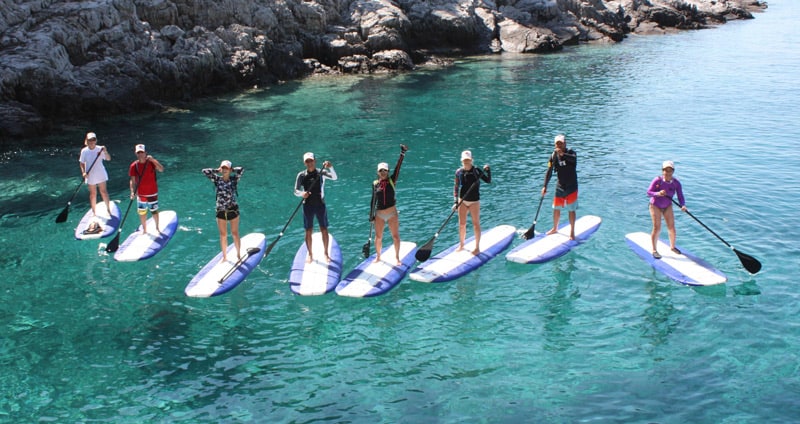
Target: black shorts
228,214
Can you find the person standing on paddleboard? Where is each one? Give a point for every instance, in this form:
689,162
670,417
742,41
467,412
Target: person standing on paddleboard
564,162
93,170
661,190
310,185
467,198
144,185
383,206
226,180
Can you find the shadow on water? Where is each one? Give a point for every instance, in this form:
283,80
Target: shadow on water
558,307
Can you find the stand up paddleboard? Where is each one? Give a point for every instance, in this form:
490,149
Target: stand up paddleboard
451,264
108,224
219,277
543,247
372,278
684,268
140,246
319,276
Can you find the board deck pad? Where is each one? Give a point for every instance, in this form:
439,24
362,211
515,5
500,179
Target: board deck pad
451,264
207,282
140,246
543,247
108,223
372,278
684,268
319,276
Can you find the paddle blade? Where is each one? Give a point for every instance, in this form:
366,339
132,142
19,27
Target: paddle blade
62,217
114,244
424,252
365,249
530,233
269,248
751,264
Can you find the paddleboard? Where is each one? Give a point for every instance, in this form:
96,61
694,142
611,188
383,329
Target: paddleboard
543,247
684,268
108,223
372,278
207,282
318,276
451,264
140,246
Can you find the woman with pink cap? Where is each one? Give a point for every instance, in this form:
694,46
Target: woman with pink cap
661,190
226,181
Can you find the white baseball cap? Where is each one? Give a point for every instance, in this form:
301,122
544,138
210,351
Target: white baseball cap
139,148
383,165
668,164
308,156
466,154
225,164
91,135
561,137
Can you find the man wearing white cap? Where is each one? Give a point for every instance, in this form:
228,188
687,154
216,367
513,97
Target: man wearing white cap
144,185
310,185
660,191
93,170
564,162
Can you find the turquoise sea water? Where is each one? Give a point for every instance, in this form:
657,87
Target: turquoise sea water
595,336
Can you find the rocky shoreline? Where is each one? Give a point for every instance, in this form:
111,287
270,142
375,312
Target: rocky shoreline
84,59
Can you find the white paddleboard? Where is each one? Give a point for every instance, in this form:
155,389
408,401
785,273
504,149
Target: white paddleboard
543,247
219,277
140,246
372,278
451,264
108,223
318,276
684,268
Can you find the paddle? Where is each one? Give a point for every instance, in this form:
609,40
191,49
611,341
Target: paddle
750,263
530,234
114,244
424,252
62,217
271,245
365,248
250,252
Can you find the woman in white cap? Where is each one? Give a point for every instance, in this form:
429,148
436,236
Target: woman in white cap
226,179
661,190
466,195
383,206
93,170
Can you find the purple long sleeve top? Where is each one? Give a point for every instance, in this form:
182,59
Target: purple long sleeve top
670,187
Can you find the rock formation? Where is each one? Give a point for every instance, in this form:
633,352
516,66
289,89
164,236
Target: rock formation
68,59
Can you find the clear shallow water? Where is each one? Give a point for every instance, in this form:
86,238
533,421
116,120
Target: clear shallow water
596,335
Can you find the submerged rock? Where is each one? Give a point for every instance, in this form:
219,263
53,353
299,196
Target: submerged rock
78,59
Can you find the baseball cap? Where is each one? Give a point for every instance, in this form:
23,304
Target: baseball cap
308,156
466,154
561,137
668,164
225,164
91,135
383,165
139,148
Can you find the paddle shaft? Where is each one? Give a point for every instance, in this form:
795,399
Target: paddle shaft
424,252
365,248
251,251
530,233
63,215
704,225
114,244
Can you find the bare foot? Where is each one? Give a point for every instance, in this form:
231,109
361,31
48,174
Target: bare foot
327,258
377,259
476,252
460,248
552,231
399,263
309,259
572,236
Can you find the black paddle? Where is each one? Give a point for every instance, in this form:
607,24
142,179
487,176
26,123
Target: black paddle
530,234
424,252
62,217
750,263
365,248
250,252
113,245
271,245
